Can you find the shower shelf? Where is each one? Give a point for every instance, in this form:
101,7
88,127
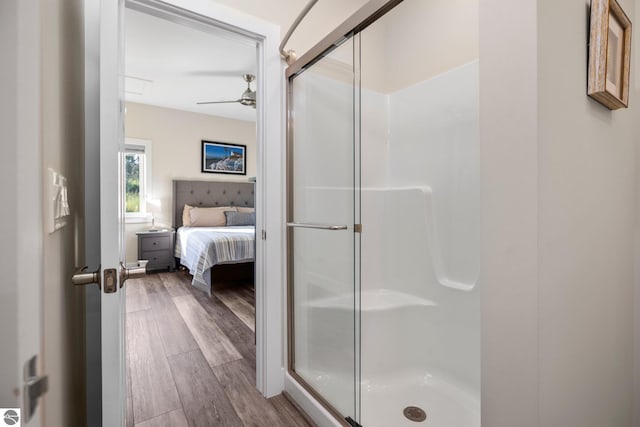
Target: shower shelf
425,193
374,300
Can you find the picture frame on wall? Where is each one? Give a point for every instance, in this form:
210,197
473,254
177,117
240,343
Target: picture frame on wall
223,157
609,54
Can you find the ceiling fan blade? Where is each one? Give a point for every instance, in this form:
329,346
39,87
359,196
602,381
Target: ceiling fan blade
248,98
216,73
219,102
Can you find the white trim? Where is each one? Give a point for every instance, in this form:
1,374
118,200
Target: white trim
138,218
146,192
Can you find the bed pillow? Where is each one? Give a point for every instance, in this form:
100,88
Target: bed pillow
240,218
186,218
209,217
244,210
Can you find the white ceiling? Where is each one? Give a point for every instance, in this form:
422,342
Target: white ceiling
175,66
322,19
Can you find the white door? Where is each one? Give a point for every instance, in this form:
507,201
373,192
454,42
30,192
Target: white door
104,144
111,226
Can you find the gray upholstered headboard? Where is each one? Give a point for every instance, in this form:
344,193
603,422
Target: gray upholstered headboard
209,194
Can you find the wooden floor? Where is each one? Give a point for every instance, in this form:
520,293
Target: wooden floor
191,358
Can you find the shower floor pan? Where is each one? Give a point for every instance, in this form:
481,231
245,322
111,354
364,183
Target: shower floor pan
384,400
445,404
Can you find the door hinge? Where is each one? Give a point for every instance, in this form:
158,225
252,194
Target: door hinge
34,387
352,422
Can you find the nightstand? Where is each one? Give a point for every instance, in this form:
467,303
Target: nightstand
156,246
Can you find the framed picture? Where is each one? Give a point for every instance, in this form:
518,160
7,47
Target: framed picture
609,54
221,157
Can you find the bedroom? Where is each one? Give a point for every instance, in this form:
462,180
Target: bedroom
172,319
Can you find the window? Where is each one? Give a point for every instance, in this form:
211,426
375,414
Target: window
137,179
134,185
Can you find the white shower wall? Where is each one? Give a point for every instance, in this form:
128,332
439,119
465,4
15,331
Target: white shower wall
435,142
421,225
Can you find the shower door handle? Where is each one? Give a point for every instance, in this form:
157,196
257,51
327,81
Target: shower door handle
316,226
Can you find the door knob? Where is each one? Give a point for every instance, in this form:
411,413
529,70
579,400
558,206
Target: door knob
82,277
140,270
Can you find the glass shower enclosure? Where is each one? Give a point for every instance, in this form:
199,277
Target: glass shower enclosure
323,221
383,220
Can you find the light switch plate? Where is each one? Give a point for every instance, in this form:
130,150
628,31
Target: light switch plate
58,205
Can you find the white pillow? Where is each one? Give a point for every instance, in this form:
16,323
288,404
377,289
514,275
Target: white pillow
244,210
209,217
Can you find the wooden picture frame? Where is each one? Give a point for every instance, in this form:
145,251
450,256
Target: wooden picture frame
223,157
609,54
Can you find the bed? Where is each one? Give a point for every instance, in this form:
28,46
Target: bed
201,248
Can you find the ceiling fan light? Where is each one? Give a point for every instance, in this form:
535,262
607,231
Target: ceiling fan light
248,98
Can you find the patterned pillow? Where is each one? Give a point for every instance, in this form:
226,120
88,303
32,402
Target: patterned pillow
240,218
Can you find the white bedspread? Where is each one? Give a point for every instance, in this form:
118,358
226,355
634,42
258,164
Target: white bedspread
200,248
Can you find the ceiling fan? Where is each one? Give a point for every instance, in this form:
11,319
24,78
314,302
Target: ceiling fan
248,97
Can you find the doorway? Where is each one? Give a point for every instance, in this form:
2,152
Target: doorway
190,348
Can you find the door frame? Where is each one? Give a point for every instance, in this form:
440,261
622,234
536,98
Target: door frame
270,183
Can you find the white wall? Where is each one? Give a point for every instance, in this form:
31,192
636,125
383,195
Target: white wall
587,212
635,80
418,40
10,216
508,179
176,146
559,176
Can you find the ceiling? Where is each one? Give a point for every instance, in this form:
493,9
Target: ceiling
174,66
322,19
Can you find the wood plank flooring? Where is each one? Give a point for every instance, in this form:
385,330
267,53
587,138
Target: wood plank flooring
191,358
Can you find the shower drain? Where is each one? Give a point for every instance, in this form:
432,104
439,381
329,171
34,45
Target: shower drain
414,413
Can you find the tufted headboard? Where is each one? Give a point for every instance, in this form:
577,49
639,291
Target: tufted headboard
209,194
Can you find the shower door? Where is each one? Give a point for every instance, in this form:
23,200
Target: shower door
323,238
